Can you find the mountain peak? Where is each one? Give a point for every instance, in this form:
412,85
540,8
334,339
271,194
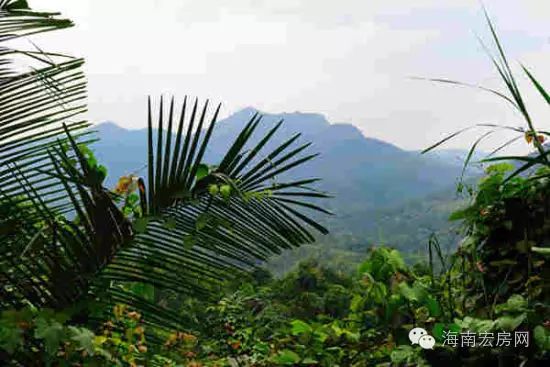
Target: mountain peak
109,130
307,122
109,127
245,113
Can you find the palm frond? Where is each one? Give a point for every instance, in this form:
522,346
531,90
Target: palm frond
64,256
238,231
18,20
34,103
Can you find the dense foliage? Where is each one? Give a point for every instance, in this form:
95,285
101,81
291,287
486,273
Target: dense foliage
320,316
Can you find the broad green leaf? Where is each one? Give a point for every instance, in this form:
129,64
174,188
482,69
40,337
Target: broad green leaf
51,332
433,306
299,327
261,347
84,337
202,221
406,291
510,323
542,337
140,224
459,214
286,357
202,171
516,303
438,330
11,337
170,223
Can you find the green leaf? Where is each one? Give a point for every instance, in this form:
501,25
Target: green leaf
541,250
459,214
132,199
202,171
516,303
396,260
84,338
433,306
402,355
454,328
309,360
542,338
438,330
51,332
101,173
444,140
475,325
147,291
189,241
11,337
499,169
537,85
510,323
299,327
140,224
406,291
503,263
202,221
261,347
286,357
170,223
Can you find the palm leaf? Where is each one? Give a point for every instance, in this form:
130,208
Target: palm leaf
34,103
181,194
193,240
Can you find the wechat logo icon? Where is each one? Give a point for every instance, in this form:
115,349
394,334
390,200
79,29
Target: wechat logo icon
421,337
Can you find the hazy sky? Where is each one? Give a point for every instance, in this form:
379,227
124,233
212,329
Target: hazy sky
348,59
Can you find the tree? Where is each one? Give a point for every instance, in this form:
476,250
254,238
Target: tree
185,228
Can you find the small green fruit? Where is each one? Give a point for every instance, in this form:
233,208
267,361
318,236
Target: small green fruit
225,191
213,189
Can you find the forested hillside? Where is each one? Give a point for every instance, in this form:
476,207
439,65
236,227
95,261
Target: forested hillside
383,194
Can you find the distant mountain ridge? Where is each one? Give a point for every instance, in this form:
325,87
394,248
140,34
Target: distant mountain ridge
364,174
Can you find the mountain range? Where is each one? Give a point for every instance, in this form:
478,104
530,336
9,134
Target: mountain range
374,183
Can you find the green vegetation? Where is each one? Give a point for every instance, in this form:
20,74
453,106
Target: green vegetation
70,245
165,270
